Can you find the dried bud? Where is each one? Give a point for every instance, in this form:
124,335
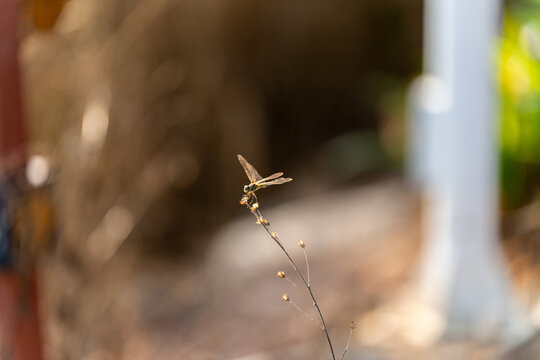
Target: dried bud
255,206
259,220
265,222
352,325
284,297
274,235
302,244
281,274
243,200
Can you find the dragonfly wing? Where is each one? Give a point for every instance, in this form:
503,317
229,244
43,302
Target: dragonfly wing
275,182
251,173
272,177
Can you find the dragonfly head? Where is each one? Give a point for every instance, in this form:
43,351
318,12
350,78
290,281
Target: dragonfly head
246,188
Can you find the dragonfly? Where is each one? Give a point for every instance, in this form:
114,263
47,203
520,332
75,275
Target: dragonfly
257,181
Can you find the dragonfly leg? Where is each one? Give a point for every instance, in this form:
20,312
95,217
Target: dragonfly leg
254,198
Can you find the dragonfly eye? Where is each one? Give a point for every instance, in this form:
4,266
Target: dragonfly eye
246,188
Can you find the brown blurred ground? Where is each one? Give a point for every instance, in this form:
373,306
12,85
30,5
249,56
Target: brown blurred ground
224,308
362,245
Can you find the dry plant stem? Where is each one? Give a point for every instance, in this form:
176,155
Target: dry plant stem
266,227
307,266
347,346
292,282
303,312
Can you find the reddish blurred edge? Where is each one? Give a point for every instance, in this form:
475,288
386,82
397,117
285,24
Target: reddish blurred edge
20,337
12,132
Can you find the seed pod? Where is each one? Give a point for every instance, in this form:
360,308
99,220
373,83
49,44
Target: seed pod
274,235
302,244
284,297
281,274
255,206
352,325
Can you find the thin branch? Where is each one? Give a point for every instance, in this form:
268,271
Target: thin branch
348,342
292,282
254,208
307,266
303,312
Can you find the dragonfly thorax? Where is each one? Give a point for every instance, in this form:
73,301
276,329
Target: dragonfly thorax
250,187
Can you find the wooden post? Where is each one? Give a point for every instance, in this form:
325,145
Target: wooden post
19,321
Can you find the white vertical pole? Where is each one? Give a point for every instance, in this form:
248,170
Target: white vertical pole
454,158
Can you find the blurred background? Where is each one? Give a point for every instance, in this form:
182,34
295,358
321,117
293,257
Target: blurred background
121,233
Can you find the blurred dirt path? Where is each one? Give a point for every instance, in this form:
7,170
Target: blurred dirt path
362,243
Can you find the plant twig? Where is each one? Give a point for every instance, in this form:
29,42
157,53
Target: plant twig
292,282
305,314
253,206
352,325
307,265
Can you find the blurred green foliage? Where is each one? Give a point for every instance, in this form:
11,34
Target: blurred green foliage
519,79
